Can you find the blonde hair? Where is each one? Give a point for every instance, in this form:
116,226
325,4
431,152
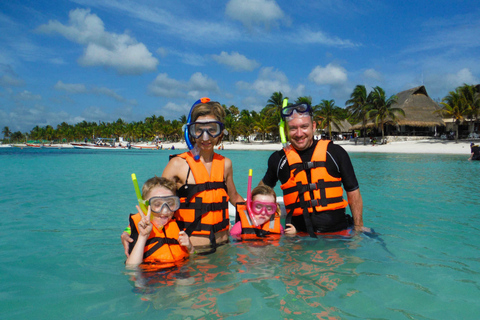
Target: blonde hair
158,182
210,108
264,190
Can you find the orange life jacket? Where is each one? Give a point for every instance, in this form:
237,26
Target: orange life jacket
270,227
204,205
297,191
162,245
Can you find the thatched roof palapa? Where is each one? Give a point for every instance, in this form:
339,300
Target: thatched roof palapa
419,110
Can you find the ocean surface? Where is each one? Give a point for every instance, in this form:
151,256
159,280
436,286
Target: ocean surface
61,258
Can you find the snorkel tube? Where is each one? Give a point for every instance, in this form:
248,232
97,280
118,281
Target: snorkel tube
249,197
193,150
281,125
139,194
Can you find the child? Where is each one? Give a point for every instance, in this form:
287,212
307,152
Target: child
265,216
156,237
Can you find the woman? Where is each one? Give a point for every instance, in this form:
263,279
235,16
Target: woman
204,180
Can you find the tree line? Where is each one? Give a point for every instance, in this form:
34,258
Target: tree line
362,107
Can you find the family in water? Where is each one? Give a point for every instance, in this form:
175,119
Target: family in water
188,205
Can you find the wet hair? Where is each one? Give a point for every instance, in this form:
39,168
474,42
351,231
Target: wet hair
158,182
264,190
210,108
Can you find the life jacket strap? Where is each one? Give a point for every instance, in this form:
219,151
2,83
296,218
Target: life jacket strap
189,190
159,242
304,166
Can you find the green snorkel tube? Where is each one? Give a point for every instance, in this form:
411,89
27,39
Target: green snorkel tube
281,125
141,203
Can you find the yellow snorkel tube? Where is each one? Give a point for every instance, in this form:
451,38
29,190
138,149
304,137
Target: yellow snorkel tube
281,125
141,203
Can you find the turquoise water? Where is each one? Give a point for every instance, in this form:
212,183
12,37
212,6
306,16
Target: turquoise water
61,257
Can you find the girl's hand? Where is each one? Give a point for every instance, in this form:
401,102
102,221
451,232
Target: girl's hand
145,225
290,229
184,240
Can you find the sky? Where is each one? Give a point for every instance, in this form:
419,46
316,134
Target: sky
100,60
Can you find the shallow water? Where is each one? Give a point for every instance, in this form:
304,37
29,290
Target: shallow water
63,212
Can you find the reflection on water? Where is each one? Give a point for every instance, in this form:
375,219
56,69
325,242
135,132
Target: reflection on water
282,279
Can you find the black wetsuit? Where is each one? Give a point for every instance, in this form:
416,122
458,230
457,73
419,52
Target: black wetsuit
476,152
338,165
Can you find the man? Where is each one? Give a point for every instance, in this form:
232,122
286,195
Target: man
312,173
475,152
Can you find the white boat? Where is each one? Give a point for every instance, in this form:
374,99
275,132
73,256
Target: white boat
100,144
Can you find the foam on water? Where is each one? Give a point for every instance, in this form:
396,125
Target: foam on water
63,212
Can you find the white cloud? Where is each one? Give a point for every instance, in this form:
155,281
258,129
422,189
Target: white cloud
118,51
373,74
441,84
70,87
236,61
163,86
254,12
163,52
79,88
307,36
202,83
198,84
10,81
330,75
27,96
270,81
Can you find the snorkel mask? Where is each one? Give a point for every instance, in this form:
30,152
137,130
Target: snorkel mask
193,150
261,209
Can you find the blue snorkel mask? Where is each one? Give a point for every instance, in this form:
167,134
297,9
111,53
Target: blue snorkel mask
193,150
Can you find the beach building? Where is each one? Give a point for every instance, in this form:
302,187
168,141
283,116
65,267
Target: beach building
420,117
344,129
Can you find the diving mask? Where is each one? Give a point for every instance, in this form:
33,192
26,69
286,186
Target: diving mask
210,128
157,204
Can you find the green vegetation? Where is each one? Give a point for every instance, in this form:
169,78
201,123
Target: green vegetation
461,104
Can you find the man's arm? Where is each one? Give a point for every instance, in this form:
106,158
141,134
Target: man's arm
355,202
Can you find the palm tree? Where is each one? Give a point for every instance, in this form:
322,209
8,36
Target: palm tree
262,124
304,99
382,109
6,132
274,105
454,106
472,101
327,114
358,105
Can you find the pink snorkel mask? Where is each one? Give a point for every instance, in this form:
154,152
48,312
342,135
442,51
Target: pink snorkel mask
258,207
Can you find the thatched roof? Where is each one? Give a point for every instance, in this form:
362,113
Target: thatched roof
419,109
345,126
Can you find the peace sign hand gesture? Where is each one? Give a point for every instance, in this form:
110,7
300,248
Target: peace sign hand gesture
145,225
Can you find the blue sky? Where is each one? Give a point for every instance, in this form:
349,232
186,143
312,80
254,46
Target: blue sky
100,60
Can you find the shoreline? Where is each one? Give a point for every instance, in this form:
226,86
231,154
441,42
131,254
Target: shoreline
425,146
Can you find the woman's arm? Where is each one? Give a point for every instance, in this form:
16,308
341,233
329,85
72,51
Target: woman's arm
232,190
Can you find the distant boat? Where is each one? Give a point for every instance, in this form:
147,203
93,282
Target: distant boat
100,144
34,145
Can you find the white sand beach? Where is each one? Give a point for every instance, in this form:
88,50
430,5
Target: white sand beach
427,146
